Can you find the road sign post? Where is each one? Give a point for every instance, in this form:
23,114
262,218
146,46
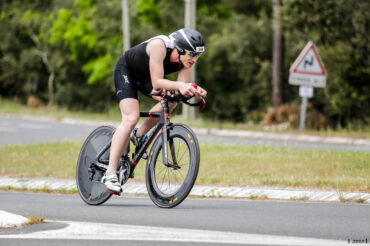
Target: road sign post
305,92
307,71
303,114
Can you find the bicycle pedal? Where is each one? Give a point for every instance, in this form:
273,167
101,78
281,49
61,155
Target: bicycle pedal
122,177
114,192
145,155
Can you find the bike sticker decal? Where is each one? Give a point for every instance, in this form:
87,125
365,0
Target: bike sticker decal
174,200
189,136
150,159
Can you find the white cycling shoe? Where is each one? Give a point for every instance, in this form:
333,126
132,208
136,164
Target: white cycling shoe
112,183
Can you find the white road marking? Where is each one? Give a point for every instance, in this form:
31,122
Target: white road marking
100,231
9,219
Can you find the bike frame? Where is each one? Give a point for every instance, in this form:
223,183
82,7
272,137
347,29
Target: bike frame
163,125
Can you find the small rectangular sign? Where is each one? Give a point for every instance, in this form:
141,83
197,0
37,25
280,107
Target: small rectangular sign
305,91
309,80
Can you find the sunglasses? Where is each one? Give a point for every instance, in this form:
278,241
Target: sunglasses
192,54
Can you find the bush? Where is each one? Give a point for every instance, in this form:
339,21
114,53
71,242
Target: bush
291,114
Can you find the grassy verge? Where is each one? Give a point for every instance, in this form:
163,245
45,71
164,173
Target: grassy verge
41,190
221,165
10,107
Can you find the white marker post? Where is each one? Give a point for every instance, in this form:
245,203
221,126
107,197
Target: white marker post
307,71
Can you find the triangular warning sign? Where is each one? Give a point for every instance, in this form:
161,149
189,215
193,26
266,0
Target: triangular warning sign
308,62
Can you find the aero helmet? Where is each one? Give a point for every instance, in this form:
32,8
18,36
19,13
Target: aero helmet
188,39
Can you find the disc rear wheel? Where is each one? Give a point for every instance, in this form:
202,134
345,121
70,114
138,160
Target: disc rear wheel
88,177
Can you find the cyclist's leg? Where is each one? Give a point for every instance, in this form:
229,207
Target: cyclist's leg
130,116
129,106
149,123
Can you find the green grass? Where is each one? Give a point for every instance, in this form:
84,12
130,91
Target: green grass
33,220
40,160
220,164
10,107
285,167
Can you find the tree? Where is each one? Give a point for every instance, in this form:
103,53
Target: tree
277,57
236,69
340,31
65,51
35,20
25,49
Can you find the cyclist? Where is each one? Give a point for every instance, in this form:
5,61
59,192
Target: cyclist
143,68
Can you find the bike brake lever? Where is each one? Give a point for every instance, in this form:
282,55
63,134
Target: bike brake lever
156,92
202,101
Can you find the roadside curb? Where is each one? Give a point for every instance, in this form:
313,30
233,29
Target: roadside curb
282,136
135,188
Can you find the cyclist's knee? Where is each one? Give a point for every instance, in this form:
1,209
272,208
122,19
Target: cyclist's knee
130,120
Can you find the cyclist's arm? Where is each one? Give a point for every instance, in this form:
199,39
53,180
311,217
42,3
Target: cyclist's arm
184,75
157,53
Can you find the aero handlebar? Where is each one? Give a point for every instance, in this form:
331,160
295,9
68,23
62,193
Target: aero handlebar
176,96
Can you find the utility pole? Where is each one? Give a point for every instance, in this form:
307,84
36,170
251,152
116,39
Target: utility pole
190,15
125,25
277,56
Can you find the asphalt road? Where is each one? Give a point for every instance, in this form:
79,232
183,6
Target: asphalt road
271,221
14,130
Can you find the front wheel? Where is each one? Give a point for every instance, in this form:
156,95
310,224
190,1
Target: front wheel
169,184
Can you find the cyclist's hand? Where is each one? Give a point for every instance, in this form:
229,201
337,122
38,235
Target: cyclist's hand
156,94
201,92
187,89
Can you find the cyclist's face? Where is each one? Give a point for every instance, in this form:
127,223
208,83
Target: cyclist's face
188,61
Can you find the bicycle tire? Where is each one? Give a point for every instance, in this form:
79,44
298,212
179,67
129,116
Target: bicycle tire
93,192
157,172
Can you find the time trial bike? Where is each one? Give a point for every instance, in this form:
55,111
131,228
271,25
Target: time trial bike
172,162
